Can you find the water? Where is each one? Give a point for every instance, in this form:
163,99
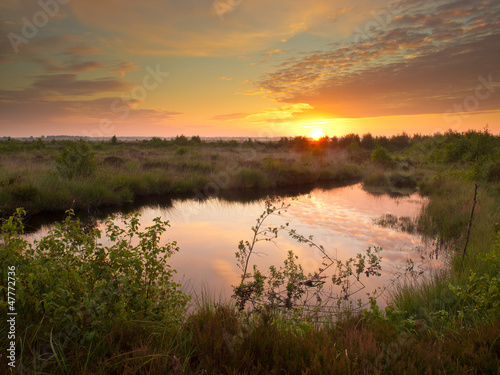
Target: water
341,219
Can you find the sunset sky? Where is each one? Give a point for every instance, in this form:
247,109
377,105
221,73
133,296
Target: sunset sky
248,68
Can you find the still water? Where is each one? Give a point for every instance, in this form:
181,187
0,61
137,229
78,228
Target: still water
341,219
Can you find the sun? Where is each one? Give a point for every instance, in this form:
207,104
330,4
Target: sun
317,134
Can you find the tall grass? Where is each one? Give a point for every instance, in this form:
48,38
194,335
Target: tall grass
123,172
450,298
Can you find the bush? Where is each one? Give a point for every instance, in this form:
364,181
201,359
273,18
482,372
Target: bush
76,159
182,150
381,155
74,286
270,164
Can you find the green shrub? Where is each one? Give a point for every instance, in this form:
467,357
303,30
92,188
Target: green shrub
341,173
74,285
270,164
353,147
182,150
381,155
76,159
181,140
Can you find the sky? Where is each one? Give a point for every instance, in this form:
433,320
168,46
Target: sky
248,68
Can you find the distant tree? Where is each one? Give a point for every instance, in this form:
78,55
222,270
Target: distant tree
367,142
38,144
300,143
181,140
400,141
334,142
323,142
114,140
196,139
348,139
353,147
284,142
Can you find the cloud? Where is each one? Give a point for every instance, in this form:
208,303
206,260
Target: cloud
230,116
423,61
192,27
55,65
68,84
280,114
269,115
123,68
82,117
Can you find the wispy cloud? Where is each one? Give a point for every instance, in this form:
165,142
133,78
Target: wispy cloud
269,115
69,84
229,116
424,60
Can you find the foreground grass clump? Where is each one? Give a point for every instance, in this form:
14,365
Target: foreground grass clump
229,342
466,295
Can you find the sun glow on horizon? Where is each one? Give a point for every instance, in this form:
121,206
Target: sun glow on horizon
317,133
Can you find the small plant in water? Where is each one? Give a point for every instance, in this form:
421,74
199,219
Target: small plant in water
288,288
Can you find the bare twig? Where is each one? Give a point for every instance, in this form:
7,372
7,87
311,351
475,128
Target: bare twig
468,229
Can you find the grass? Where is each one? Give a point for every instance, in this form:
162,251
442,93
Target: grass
125,172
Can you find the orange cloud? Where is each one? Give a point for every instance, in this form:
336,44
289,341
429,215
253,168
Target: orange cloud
190,27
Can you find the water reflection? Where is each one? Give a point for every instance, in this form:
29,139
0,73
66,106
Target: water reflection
341,219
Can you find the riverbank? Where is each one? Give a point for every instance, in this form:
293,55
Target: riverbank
54,176
101,174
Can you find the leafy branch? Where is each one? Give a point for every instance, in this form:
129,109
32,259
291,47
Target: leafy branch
287,287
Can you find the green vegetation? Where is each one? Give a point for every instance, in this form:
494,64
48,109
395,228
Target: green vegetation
93,307
73,295
58,175
76,159
46,176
